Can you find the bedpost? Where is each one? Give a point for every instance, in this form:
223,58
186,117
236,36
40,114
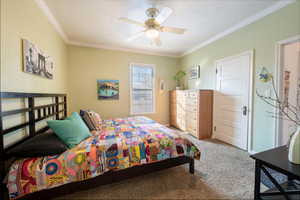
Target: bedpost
192,166
31,116
2,160
65,106
57,108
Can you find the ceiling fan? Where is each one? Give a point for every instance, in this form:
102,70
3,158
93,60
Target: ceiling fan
153,25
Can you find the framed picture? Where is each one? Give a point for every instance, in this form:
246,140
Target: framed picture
194,72
108,89
161,86
35,61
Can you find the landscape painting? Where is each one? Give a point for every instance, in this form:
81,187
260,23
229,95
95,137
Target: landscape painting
36,62
108,89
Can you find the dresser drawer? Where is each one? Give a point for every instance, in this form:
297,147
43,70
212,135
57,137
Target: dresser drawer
192,123
190,108
192,131
193,94
192,101
191,117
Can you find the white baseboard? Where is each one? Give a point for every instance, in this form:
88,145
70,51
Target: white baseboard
251,152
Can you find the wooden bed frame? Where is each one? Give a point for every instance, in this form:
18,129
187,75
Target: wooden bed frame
41,112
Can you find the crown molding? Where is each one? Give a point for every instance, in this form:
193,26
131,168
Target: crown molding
43,6
247,21
115,48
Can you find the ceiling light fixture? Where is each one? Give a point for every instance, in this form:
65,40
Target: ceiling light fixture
152,33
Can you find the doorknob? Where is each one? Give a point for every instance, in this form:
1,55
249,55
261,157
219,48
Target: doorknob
244,110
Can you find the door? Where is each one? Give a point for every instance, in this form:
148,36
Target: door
232,99
289,87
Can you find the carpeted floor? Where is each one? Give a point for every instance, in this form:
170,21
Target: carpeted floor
224,172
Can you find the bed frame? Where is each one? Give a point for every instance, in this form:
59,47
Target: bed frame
42,112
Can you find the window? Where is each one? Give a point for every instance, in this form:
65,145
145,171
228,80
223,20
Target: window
142,89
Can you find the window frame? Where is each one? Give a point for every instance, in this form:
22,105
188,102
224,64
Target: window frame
153,87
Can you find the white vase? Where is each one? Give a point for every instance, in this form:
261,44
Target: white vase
294,148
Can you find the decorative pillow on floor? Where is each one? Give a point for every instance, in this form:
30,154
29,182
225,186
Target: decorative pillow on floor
71,131
92,119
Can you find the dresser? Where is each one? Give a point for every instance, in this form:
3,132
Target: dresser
192,111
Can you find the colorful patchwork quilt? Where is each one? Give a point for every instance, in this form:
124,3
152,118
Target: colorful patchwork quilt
122,143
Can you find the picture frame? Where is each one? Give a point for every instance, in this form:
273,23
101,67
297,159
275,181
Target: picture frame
35,61
161,86
108,89
194,72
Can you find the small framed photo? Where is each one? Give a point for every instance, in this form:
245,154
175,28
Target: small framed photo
194,72
161,86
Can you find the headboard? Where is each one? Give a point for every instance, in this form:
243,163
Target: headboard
35,115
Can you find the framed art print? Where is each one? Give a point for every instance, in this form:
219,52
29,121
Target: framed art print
194,72
108,89
35,61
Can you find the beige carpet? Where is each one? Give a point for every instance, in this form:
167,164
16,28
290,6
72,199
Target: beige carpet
224,172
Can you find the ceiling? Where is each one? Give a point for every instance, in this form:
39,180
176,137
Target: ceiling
95,22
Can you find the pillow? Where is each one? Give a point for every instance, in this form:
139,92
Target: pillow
92,119
44,144
71,131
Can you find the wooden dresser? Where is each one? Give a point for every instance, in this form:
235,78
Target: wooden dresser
192,111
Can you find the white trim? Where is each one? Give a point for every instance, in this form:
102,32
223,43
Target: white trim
153,87
280,4
251,96
110,47
278,81
247,21
57,26
252,152
43,6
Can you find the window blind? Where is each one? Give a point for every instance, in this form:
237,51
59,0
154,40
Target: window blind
142,89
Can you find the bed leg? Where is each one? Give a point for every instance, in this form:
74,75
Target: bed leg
3,194
192,166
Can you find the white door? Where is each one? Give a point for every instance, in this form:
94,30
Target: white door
232,99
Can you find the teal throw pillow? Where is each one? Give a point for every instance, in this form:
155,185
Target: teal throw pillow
71,130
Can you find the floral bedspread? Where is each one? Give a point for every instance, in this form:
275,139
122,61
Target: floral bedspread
122,143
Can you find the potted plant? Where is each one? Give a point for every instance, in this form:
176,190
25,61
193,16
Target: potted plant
286,111
178,77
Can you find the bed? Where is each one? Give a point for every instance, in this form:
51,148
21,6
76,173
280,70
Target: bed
125,147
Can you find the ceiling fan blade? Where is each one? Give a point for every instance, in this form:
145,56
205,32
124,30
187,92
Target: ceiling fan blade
173,30
130,21
163,15
135,36
157,41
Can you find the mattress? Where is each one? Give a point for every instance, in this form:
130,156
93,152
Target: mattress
122,143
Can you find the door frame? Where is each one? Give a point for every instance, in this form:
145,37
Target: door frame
250,93
278,80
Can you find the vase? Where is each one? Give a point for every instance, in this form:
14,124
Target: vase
294,148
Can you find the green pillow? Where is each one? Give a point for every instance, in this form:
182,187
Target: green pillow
71,131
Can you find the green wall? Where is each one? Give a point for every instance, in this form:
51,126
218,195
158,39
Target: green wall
260,36
104,64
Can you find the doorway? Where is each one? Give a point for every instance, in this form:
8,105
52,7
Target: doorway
288,83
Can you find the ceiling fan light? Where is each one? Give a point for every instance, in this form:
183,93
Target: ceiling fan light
152,33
